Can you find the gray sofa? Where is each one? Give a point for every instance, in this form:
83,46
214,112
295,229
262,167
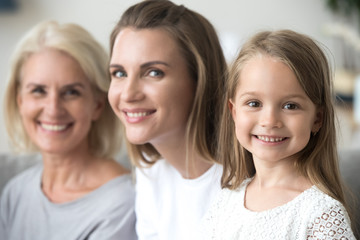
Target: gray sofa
11,164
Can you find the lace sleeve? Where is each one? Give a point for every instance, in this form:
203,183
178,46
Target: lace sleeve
334,224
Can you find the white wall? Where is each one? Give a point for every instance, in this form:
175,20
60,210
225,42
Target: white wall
235,20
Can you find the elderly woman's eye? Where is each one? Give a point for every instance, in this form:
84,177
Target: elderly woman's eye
38,90
72,92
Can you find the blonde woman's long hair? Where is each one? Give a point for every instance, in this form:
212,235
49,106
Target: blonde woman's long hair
201,49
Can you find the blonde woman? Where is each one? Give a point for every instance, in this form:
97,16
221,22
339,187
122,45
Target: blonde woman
56,104
168,73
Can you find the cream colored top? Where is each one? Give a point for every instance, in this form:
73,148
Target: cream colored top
311,215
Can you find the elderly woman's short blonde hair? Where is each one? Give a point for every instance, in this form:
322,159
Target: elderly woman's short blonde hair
105,133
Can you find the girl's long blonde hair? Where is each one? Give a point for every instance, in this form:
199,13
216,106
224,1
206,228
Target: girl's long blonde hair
318,161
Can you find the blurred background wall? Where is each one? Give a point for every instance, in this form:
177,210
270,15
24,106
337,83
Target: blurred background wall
235,21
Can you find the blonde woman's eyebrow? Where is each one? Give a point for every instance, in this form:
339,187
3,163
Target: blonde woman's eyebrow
31,85
73,85
148,64
144,65
117,66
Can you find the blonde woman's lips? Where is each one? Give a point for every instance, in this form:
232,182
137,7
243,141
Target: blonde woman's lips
135,116
54,127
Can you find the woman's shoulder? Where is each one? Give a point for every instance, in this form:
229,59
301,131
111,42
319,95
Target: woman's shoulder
109,168
104,171
25,178
155,171
21,186
121,187
117,196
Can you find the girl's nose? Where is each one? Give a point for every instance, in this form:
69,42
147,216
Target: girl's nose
270,118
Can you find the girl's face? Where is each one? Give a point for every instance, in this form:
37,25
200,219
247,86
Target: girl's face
151,89
56,102
273,115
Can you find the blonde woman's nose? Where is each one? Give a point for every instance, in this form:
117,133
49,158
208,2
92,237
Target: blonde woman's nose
53,104
132,89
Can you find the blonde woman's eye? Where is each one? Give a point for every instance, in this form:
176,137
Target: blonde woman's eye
118,74
38,90
72,92
156,73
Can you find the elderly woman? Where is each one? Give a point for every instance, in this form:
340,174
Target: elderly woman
56,104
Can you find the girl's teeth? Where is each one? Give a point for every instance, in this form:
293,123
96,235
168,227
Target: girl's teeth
270,139
53,127
137,114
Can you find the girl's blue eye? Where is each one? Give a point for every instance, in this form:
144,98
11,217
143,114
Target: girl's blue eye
253,104
156,73
290,106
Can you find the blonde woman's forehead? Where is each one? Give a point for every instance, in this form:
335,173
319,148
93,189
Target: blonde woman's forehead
144,45
50,66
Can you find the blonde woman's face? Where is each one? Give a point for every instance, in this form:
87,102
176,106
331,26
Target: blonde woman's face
151,90
273,115
56,102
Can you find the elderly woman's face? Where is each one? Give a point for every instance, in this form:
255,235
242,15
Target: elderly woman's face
151,90
56,102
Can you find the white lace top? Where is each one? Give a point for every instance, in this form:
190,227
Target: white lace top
311,215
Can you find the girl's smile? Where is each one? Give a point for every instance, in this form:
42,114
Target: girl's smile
273,115
270,139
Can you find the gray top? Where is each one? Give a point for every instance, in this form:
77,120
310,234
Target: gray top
105,213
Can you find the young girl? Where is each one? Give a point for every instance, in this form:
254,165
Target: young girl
283,181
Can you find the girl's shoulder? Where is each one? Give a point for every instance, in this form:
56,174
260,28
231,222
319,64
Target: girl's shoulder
228,198
227,193
317,200
326,215
311,203
319,205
